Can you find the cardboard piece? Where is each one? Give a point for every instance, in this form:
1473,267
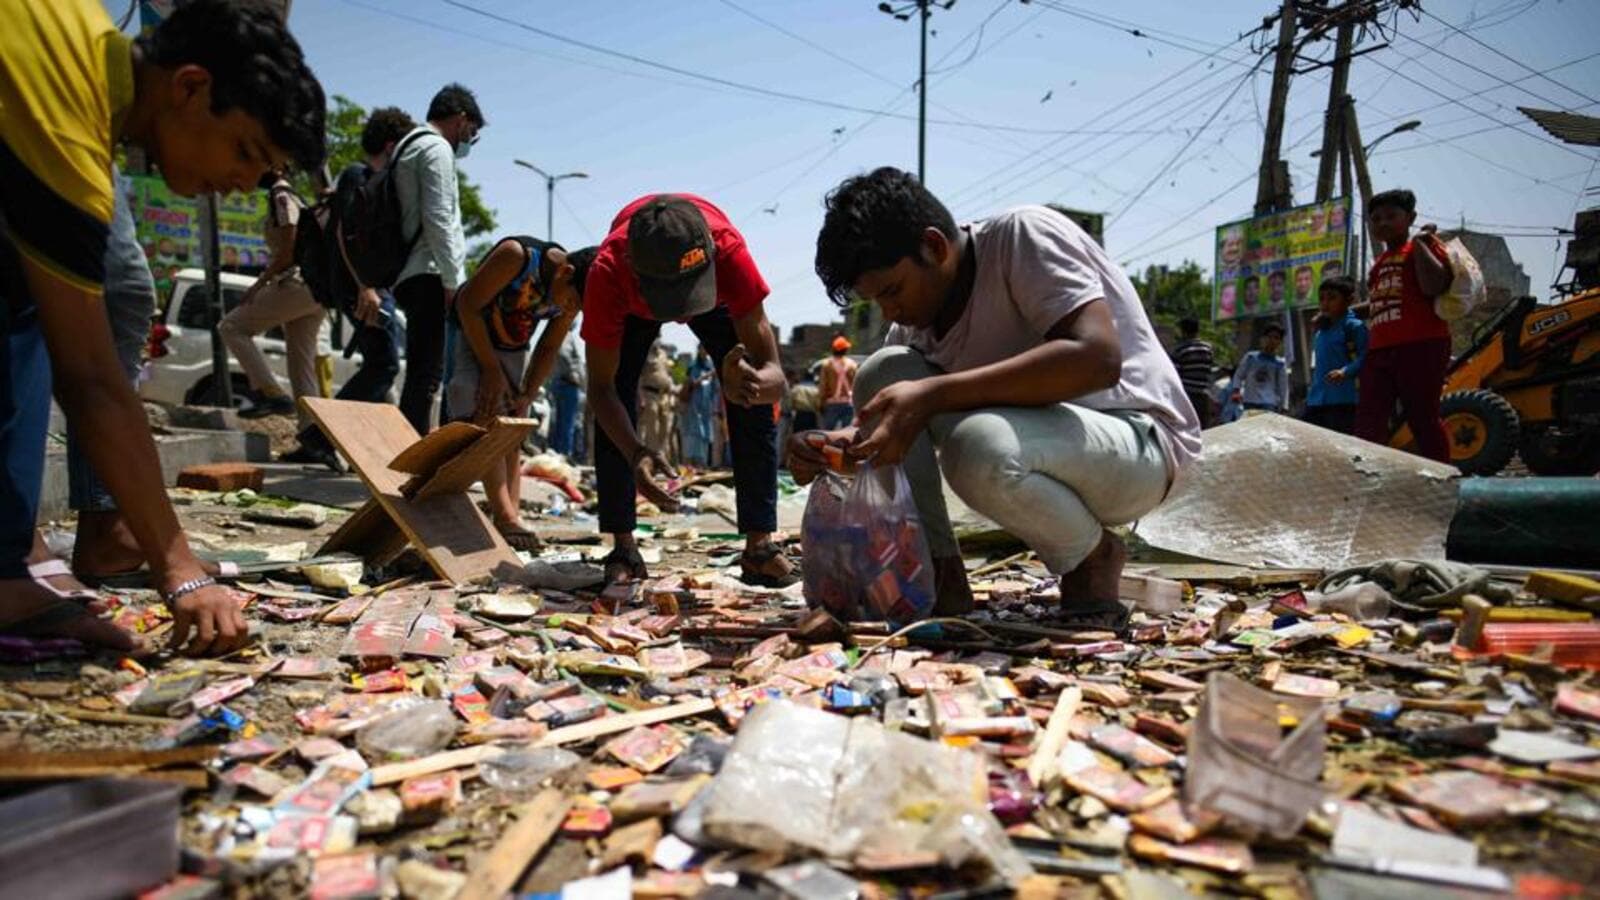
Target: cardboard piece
419,488
1355,502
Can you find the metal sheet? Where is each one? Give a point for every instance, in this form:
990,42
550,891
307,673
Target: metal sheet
1274,491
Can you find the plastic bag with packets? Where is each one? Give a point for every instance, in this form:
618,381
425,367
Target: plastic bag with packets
866,556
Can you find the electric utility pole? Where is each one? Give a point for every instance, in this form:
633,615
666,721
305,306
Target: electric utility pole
923,10
1272,183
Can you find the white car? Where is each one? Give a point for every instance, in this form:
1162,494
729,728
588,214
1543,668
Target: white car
178,368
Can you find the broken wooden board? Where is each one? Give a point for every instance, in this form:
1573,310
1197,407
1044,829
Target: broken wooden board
459,473
447,529
24,765
495,874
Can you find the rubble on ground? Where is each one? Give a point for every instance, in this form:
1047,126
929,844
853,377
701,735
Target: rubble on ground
388,735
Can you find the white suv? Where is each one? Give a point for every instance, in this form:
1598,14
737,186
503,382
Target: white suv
177,369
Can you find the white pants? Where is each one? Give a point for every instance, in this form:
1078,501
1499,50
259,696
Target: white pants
288,303
1053,476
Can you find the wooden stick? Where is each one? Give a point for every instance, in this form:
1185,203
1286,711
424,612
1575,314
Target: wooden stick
22,765
439,762
584,731
494,875
109,718
1054,736
999,564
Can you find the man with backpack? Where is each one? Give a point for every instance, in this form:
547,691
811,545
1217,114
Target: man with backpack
378,333
278,299
423,175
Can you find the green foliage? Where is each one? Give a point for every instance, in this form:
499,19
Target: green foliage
1173,294
476,251
345,119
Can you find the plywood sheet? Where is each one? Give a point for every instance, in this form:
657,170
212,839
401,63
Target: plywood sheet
451,533
1273,491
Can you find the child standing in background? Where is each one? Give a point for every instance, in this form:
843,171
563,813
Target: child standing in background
1262,379
1340,345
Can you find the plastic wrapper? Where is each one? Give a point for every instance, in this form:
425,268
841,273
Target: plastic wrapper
866,554
410,731
803,779
1243,767
522,771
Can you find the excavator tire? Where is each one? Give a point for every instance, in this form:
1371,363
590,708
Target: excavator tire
1482,428
1549,451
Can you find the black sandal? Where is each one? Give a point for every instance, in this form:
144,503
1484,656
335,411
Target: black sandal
624,565
750,561
1091,616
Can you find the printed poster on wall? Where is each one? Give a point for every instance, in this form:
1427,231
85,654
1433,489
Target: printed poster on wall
1275,262
168,229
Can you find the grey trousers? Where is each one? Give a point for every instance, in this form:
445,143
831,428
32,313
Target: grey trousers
130,301
1054,476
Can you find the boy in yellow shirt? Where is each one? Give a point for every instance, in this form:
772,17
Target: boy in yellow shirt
216,96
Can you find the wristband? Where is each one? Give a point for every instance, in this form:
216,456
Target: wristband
187,588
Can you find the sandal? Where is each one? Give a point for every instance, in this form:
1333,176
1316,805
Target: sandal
56,568
1092,616
519,537
53,621
624,565
767,567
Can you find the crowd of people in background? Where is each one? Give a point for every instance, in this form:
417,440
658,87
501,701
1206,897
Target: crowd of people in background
1366,374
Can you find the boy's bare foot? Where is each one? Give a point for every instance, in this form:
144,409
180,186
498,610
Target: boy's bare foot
951,590
28,609
1092,593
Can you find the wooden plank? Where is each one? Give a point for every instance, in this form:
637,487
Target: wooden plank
584,731
452,534
473,463
366,533
1054,736
26,765
495,874
438,762
442,444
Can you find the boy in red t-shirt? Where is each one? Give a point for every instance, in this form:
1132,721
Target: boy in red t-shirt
1409,348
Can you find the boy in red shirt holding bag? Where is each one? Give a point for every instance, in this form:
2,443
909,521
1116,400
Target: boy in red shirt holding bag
1409,348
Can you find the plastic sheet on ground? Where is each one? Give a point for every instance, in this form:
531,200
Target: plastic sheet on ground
1274,491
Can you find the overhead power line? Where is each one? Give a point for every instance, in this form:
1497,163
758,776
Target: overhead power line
754,89
1476,40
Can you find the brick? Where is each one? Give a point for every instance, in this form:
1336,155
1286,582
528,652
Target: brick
221,477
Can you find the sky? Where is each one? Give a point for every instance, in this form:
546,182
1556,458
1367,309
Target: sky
763,105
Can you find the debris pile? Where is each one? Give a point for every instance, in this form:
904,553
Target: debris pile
1255,731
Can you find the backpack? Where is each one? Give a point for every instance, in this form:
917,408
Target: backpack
315,253
370,229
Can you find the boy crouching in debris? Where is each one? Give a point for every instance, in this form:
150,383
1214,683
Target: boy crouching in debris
1020,365
521,282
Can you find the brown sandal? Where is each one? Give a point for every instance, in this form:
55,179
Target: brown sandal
753,566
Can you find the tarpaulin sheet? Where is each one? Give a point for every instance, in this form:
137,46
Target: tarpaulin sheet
1274,491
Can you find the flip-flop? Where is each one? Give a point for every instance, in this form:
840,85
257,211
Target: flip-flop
48,622
519,537
56,568
761,556
1092,616
623,565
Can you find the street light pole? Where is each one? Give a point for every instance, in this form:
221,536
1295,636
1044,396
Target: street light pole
923,10
922,99
549,194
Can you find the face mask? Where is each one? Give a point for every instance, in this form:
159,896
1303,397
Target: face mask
463,149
